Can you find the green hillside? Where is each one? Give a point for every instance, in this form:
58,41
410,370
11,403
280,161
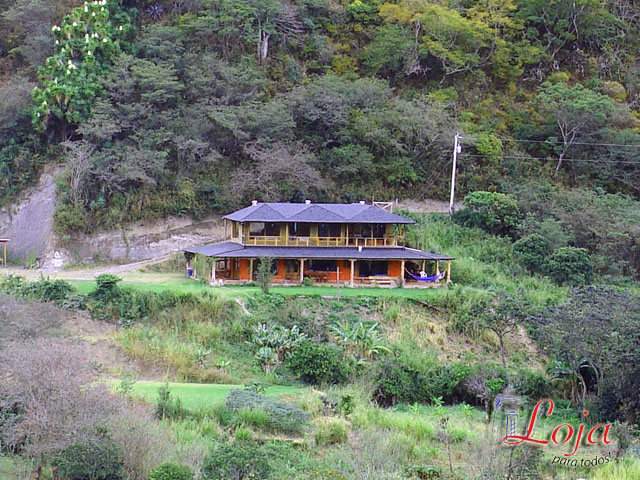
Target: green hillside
196,106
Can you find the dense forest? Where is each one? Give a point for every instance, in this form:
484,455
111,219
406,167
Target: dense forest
195,106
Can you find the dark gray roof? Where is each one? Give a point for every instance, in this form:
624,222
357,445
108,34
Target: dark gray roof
316,213
235,250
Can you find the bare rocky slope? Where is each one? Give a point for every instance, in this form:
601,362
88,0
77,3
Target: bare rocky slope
28,223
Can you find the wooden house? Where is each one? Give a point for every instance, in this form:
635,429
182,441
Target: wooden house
350,244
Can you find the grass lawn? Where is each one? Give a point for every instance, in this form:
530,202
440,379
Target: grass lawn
195,396
157,282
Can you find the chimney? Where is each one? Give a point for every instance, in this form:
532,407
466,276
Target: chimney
307,201
362,202
254,203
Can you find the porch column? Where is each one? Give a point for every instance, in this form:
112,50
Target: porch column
402,270
353,262
213,272
423,265
448,271
251,269
301,270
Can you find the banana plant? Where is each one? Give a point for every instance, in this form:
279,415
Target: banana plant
360,340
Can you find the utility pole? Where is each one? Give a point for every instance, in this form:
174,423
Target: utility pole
456,150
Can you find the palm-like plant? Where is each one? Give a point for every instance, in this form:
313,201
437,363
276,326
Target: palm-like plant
360,340
275,340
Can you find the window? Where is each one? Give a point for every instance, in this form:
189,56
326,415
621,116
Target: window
274,266
272,229
292,266
299,229
370,268
329,230
379,230
256,228
323,266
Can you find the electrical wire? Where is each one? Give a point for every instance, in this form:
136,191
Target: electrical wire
578,160
558,142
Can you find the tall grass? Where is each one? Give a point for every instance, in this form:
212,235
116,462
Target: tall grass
623,469
481,261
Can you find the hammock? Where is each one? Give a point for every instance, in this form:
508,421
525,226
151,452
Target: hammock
435,278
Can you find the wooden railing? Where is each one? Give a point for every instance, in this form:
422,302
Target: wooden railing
279,241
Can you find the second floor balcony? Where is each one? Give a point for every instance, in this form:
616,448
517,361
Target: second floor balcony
317,234
317,241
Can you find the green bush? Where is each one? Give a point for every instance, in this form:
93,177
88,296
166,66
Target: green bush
172,471
48,290
280,416
106,288
246,459
240,460
59,292
96,460
532,251
534,385
318,363
69,219
496,213
424,472
168,406
400,380
264,274
570,265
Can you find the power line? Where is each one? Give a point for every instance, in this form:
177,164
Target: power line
578,160
550,142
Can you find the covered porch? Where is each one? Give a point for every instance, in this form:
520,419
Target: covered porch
349,272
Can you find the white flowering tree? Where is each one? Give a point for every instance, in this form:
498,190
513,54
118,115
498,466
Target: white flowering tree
85,44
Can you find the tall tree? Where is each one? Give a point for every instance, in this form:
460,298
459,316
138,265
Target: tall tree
575,113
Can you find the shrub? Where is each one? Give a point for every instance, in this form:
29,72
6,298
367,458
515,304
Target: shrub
274,343
280,415
97,460
264,274
245,459
236,461
48,290
396,383
424,472
106,288
318,363
400,381
59,292
167,406
534,385
347,405
496,213
532,251
570,265
331,432
171,471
